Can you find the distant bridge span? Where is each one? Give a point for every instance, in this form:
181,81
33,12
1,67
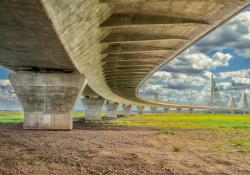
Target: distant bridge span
55,45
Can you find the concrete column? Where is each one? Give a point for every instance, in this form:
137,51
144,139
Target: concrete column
212,111
178,110
112,109
47,98
93,108
191,110
126,110
153,110
140,110
166,110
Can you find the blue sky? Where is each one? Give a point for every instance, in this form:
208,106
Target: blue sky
225,52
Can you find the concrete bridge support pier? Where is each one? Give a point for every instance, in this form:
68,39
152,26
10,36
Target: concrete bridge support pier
93,108
47,98
166,110
111,109
153,110
178,110
126,110
191,110
140,110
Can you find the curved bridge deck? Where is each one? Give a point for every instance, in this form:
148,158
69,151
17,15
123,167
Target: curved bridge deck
116,44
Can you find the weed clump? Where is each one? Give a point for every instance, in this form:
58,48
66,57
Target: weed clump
176,148
165,132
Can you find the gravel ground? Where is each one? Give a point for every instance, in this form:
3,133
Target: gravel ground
92,149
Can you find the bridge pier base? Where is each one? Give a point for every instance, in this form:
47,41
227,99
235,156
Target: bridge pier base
140,110
178,110
153,110
93,108
166,110
47,98
126,110
112,109
191,110
212,111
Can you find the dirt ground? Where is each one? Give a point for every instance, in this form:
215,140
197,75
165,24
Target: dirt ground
90,149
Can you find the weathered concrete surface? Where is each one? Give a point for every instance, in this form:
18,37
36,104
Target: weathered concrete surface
136,37
140,110
191,110
116,44
89,93
47,98
126,110
153,110
28,40
112,109
93,108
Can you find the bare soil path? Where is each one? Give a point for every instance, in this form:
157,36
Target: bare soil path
92,149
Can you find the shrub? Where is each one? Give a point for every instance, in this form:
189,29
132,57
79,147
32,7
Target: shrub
176,148
165,132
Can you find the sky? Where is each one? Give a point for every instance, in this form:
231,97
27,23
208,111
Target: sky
225,53
185,80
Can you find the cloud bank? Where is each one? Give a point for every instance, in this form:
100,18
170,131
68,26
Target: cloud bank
186,79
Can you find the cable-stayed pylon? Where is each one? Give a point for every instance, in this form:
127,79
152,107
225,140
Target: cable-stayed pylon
243,101
215,96
232,102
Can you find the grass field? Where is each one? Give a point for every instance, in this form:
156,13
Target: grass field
11,117
17,117
234,130
188,121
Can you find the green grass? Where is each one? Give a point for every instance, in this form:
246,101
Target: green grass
78,116
188,121
230,131
242,144
17,117
165,132
176,148
11,117
185,121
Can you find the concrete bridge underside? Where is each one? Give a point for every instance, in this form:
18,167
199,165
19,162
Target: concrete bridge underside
115,44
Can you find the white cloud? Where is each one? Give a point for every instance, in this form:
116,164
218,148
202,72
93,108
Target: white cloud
234,34
162,75
182,79
193,62
224,85
4,83
8,98
237,77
